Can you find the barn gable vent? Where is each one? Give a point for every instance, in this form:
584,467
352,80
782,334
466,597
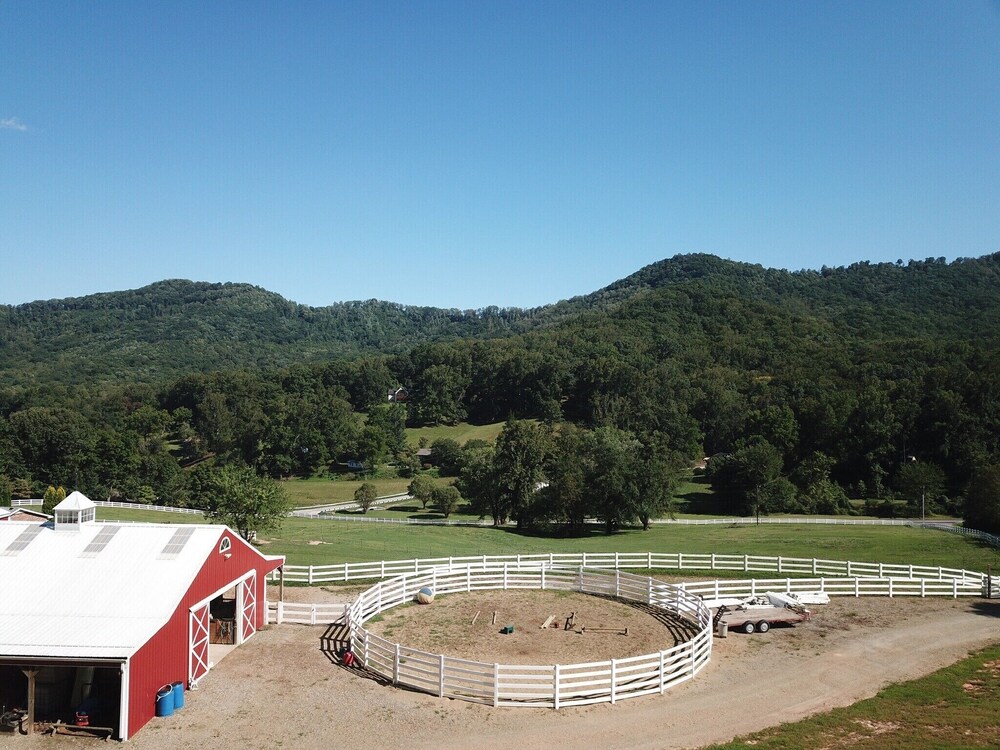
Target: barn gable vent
100,541
23,540
177,542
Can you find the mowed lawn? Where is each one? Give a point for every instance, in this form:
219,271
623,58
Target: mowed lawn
307,541
319,542
460,433
955,707
323,490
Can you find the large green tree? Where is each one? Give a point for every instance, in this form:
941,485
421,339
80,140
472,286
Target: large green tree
517,469
245,501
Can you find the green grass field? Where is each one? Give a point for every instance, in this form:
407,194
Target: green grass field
955,707
461,433
320,490
318,542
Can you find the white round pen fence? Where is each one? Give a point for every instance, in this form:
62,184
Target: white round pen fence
552,686
564,685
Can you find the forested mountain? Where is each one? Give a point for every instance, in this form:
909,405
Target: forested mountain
176,327
857,381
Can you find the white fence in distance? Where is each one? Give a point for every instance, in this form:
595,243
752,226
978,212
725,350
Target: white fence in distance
813,567
552,686
116,504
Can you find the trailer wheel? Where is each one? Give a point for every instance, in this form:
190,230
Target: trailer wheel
763,626
749,627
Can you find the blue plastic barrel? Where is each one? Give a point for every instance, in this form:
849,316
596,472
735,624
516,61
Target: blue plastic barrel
165,700
178,694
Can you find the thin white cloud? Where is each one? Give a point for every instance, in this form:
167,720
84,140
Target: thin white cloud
12,123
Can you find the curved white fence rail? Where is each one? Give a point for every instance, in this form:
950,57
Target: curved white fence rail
798,566
552,686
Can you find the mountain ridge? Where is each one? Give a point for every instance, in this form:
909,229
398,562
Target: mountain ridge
175,326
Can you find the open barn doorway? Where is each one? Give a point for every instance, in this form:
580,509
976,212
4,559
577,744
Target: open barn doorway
76,695
220,623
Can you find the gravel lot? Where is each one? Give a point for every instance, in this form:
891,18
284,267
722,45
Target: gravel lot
282,690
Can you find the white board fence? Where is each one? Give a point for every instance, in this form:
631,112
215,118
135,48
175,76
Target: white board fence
813,567
551,686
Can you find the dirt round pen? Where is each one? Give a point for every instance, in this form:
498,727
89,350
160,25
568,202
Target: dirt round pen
553,686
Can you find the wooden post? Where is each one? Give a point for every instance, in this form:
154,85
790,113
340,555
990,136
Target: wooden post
30,719
281,583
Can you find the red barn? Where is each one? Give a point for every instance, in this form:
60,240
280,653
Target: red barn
97,617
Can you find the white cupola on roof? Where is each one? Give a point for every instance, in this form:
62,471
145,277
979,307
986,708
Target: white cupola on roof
76,510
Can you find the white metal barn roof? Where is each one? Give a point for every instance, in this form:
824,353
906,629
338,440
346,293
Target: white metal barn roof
101,591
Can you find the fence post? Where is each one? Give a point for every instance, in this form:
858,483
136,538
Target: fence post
779,564
746,563
663,673
496,685
555,687
505,575
954,588
281,612
395,667
649,561
814,566
923,588
857,587
614,681
890,587
312,615
618,583
310,575
441,676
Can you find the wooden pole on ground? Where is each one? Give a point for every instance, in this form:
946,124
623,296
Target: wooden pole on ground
30,719
494,617
476,617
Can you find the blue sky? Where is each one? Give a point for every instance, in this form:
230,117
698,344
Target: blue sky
473,154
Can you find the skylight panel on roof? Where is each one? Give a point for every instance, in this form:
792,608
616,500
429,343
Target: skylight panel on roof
177,542
100,541
23,540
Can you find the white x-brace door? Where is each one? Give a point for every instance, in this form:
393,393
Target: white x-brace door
198,657
248,625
